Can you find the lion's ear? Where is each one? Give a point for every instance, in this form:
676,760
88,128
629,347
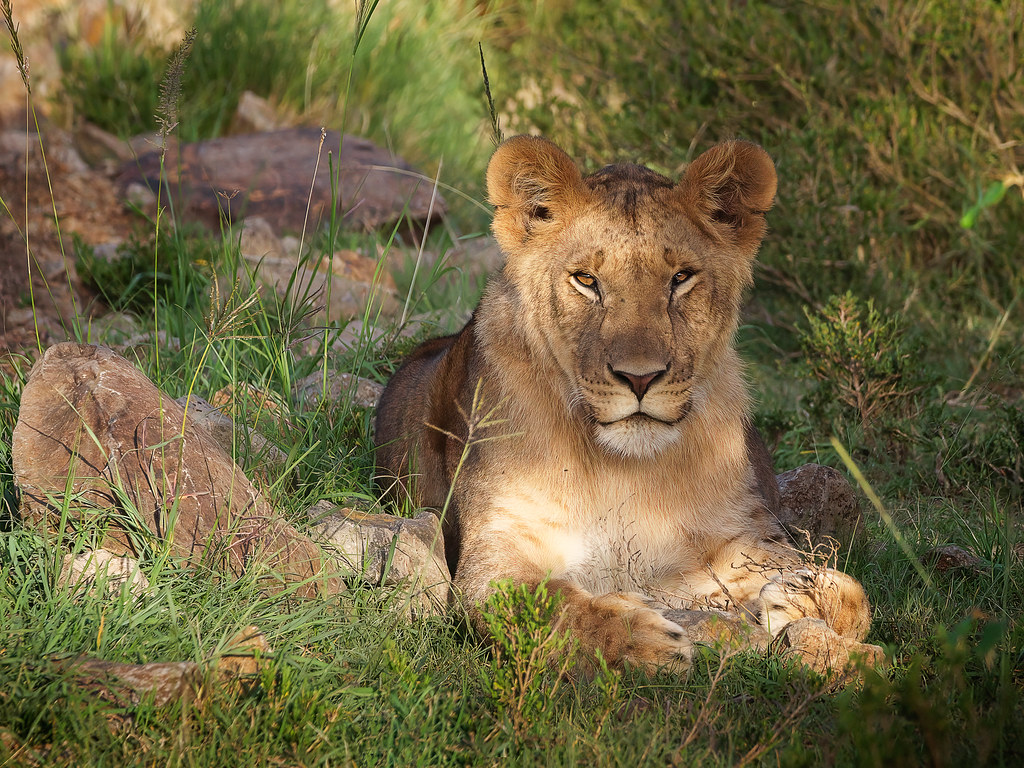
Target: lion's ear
727,191
530,181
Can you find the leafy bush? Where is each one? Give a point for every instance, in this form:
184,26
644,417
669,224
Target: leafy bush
858,359
530,655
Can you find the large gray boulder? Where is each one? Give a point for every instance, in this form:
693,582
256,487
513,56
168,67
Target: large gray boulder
269,175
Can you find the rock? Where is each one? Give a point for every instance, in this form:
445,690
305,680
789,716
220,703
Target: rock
143,341
829,654
258,240
724,631
389,551
820,501
355,335
477,257
304,286
131,684
254,114
99,147
143,475
244,654
84,203
222,429
354,279
151,142
949,557
128,685
88,570
269,175
140,196
363,393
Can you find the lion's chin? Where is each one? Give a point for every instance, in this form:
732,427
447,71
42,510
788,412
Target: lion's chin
637,436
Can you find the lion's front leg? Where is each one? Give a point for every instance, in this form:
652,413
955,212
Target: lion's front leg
775,586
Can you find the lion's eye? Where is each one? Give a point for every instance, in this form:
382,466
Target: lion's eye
586,284
585,279
681,277
682,281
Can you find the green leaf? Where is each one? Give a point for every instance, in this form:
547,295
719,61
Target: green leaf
992,195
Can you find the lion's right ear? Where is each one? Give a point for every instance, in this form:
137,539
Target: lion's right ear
530,182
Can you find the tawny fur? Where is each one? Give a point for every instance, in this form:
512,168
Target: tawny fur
610,445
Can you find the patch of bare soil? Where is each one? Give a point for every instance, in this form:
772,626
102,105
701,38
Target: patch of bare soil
49,193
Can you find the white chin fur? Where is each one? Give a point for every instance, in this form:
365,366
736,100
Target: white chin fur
637,438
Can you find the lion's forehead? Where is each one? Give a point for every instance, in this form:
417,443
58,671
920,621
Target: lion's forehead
655,242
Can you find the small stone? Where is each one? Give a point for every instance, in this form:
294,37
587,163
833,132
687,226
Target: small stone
476,257
146,339
818,502
391,551
333,289
244,654
357,334
86,571
99,147
257,240
152,142
254,114
362,392
949,557
140,196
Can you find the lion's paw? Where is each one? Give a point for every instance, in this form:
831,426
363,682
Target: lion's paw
825,594
628,630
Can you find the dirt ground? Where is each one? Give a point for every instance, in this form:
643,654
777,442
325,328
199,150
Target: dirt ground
39,289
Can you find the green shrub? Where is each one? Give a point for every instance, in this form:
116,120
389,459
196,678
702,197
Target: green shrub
530,656
858,359
113,84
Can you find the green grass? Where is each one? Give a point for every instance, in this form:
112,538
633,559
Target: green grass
887,123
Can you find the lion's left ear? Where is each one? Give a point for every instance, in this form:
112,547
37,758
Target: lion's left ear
727,191
530,182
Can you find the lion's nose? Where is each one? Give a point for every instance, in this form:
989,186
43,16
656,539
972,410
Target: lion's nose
638,382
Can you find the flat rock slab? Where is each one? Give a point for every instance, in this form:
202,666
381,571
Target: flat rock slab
99,446
720,630
270,175
128,685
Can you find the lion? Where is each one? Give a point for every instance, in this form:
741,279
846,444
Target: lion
589,427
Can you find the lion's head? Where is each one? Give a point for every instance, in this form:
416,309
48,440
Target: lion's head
628,282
